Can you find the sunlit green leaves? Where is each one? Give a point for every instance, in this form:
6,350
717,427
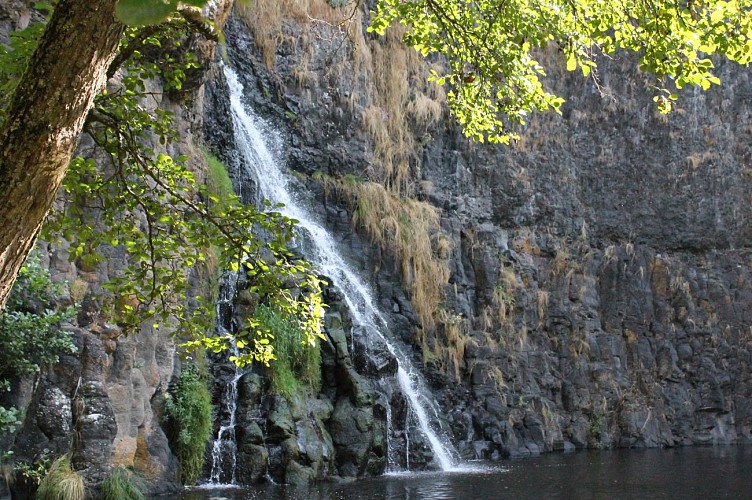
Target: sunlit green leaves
14,58
489,45
149,12
148,206
144,12
31,335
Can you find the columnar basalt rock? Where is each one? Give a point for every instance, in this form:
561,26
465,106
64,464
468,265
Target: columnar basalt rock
615,238
600,277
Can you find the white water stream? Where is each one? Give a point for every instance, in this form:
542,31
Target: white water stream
252,136
225,445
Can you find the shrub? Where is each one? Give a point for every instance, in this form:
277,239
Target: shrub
61,482
123,484
189,418
30,326
30,333
298,364
9,419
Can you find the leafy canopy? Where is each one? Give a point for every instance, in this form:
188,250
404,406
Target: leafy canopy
145,203
490,46
125,196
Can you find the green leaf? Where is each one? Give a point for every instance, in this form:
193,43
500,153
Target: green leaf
572,62
144,12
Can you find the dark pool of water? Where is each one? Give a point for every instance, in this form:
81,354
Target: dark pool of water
682,473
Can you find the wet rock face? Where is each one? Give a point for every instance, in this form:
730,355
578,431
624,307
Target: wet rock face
617,239
308,437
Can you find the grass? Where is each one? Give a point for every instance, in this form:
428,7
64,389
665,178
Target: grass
189,417
61,482
409,229
218,182
542,306
560,263
389,81
264,18
425,110
452,346
504,295
500,385
297,366
122,484
391,91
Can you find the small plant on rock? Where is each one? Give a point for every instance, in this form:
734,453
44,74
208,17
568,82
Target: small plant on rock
61,482
298,363
30,332
189,420
123,484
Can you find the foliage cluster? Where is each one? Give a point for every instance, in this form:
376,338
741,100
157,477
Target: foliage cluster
32,472
149,205
30,332
188,411
148,12
14,57
122,484
298,363
494,79
61,482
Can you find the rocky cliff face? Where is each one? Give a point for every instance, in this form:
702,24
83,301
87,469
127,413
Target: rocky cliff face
592,281
599,269
103,405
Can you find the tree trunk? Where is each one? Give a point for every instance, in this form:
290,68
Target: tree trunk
45,118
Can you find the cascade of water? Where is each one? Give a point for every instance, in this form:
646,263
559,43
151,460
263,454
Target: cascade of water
251,136
389,446
407,440
225,444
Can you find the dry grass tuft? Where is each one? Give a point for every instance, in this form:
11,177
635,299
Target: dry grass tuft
265,18
504,296
543,297
61,482
409,229
497,377
424,110
451,348
698,159
560,263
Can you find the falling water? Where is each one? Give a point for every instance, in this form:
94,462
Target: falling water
225,445
389,445
324,254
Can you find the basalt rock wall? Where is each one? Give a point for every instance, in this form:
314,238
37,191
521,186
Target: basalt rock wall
600,268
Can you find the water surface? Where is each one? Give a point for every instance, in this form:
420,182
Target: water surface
682,473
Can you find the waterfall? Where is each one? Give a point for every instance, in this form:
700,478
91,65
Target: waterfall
252,137
224,447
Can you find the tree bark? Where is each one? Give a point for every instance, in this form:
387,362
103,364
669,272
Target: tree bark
45,118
